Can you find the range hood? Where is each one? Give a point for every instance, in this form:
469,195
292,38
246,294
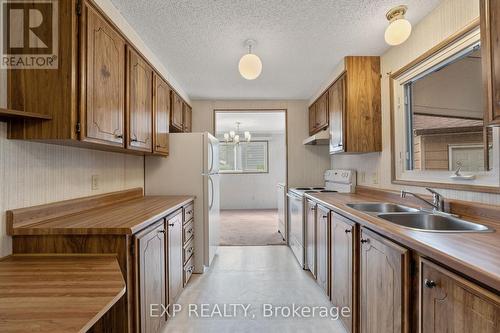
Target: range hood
320,138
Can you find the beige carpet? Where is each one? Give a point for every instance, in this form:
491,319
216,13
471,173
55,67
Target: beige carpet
249,227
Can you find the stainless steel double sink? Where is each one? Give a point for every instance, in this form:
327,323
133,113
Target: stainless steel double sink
417,219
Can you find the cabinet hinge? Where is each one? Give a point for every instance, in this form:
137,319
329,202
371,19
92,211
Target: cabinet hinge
78,127
79,7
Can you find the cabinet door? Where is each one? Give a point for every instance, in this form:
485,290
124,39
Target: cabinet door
322,247
177,111
490,49
175,261
336,110
187,118
322,112
451,304
312,119
311,208
161,116
342,263
103,65
384,285
150,246
140,103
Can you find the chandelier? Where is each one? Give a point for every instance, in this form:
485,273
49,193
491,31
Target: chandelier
235,136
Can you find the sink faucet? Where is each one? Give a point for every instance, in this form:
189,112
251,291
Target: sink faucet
437,199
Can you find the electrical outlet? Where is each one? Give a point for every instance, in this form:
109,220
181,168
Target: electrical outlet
375,178
95,182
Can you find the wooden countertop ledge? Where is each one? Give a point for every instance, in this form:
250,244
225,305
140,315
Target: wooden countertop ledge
57,293
116,213
476,255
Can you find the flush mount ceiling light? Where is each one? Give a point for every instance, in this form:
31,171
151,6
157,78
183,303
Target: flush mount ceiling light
250,65
399,28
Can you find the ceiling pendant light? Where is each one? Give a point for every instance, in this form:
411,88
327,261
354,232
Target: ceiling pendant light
235,136
399,28
250,65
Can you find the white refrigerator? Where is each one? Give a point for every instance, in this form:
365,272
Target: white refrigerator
192,168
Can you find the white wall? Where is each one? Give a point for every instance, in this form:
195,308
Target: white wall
36,173
256,191
449,17
306,164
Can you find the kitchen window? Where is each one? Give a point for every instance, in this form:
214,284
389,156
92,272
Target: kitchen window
245,157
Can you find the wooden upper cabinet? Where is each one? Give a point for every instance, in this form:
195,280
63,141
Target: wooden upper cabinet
151,284
351,108
140,103
451,304
187,118
336,107
312,119
343,268
175,257
321,119
322,247
384,286
311,208
161,116
490,50
176,116
103,63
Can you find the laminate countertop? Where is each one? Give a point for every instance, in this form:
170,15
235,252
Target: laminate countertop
121,218
476,255
57,293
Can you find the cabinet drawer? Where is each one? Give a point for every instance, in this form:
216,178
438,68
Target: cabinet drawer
188,270
187,232
188,213
188,250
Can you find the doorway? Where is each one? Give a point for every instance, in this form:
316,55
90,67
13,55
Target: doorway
252,162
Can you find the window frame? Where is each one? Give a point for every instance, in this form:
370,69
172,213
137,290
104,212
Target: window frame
243,172
486,181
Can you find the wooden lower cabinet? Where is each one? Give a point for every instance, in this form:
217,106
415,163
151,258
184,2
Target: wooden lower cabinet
451,304
322,248
153,263
175,258
384,285
311,208
344,268
150,281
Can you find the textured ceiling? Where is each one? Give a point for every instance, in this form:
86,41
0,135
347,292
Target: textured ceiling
299,41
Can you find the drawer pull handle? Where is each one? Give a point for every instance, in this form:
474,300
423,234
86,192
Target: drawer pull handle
190,231
365,241
119,136
325,216
161,231
429,283
171,224
190,250
347,231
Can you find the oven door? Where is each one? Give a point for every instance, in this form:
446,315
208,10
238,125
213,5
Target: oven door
295,226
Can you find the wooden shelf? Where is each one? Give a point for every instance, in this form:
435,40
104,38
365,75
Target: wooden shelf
7,113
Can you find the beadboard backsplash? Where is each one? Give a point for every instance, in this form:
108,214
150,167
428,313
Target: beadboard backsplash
36,173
